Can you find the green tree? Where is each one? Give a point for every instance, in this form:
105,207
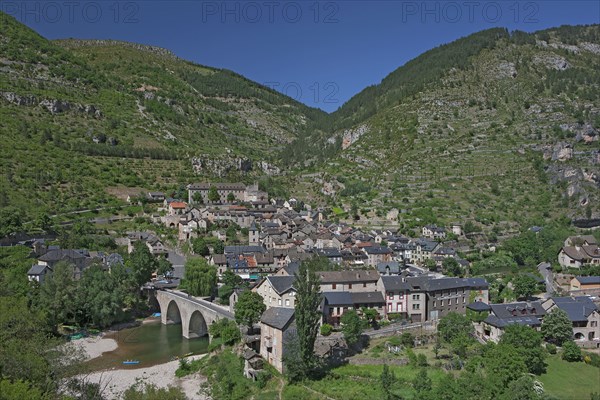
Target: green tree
213,194
422,383
44,222
326,329
231,279
24,343
57,294
10,220
141,264
352,327
200,247
407,339
249,308
163,266
218,247
437,347
430,264
231,233
225,329
460,344
452,267
453,326
522,388
307,315
200,278
197,198
99,300
19,390
570,351
524,286
230,197
557,328
370,315
529,342
503,363
387,381
151,392
354,211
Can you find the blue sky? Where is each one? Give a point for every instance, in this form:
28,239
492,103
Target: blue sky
321,53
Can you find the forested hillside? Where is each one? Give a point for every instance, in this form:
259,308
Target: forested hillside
83,120
499,127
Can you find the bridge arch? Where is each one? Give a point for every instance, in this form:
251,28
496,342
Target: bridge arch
195,315
197,325
173,313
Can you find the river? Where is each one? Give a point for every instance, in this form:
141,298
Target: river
151,343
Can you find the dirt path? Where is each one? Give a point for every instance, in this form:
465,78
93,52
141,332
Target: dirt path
322,395
281,386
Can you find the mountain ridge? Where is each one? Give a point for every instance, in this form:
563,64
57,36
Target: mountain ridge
168,120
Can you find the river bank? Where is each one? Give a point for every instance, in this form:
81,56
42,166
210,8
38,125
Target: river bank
115,381
93,346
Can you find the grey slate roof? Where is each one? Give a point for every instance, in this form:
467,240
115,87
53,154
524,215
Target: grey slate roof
338,298
36,269
367,298
393,266
348,276
426,245
429,284
504,322
577,308
518,309
377,250
479,306
277,317
114,259
292,268
244,249
589,280
329,252
394,283
280,283
219,186
60,254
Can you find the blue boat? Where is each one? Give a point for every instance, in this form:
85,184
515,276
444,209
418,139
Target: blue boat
131,362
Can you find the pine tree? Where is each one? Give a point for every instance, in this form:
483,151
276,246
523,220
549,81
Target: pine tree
388,380
308,299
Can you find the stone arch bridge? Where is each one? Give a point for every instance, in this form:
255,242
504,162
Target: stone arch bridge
195,315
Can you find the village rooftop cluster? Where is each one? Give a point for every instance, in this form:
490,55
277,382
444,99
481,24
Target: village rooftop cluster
403,279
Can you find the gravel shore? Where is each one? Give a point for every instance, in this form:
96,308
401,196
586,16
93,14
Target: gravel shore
94,346
115,381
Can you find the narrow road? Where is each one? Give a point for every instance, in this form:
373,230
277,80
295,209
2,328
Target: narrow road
396,328
545,270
